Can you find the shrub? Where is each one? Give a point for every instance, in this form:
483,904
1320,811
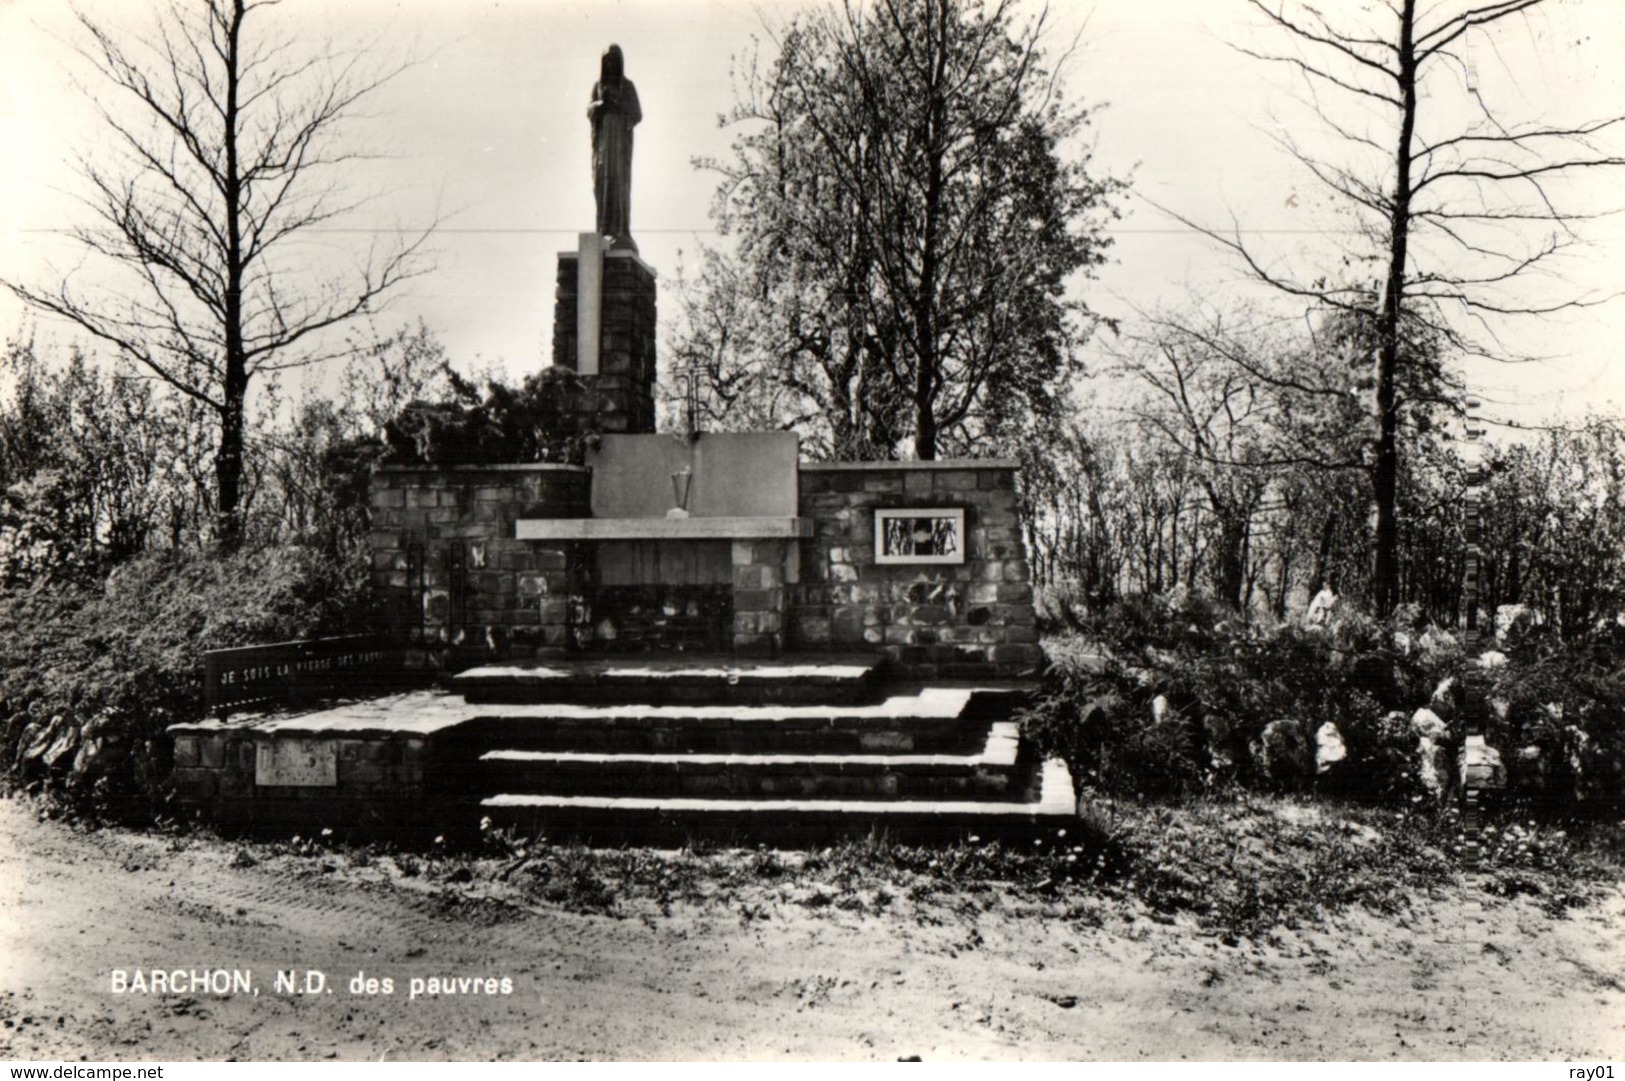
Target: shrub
1558,717
1179,694
92,674
534,423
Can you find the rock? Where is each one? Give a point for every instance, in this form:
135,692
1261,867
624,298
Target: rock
1283,755
1142,677
1529,771
1160,658
1514,622
1443,700
1436,644
101,743
1428,725
1329,748
1219,736
1322,609
1094,717
1576,742
91,759
66,742
1159,708
25,741
52,743
1481,766
1431,768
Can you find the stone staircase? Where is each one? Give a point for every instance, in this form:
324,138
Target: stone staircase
782,753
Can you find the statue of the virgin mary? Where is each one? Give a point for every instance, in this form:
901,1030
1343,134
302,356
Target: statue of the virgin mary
614,112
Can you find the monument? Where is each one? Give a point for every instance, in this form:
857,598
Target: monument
720,543
682,634
604,320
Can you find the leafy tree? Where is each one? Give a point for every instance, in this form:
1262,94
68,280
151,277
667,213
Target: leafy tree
1554,519
223,155
909,203
82,453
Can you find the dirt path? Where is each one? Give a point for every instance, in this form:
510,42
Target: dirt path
978,979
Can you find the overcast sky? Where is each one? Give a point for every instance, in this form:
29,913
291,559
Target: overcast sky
491,128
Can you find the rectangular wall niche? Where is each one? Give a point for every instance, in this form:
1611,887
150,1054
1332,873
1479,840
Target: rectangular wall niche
664,595
920,535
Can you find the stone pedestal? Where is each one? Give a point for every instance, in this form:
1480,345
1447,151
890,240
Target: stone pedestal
762,569
619,396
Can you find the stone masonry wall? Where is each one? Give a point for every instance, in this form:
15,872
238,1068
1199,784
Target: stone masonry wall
620,398
763,572
456,584
971,620
384,784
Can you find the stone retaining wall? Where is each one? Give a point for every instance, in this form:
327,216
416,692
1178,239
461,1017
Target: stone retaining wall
970,620
385,784
451,574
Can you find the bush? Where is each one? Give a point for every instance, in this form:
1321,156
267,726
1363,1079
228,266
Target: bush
92,674
1557,715
1179,694
537,422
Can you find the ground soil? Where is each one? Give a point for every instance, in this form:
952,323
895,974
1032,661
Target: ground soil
977,976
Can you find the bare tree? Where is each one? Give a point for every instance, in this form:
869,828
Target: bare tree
1459,204
223,158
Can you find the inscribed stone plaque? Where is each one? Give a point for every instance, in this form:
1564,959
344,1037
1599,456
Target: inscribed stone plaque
310,763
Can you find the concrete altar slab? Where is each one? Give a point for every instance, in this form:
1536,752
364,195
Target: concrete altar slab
590,529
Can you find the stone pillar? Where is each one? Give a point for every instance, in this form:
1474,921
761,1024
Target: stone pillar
619,396
760,573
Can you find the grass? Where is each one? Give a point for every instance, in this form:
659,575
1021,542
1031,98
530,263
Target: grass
1234,866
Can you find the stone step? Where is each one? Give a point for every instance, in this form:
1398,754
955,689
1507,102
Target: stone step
935,720
701,681
660,820
991,773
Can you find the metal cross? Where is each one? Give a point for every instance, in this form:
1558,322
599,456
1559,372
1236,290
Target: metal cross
688,382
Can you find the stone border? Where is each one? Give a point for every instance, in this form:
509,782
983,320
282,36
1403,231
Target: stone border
999,752
1056,804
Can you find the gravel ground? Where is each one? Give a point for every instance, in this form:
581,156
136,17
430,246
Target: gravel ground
973,973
